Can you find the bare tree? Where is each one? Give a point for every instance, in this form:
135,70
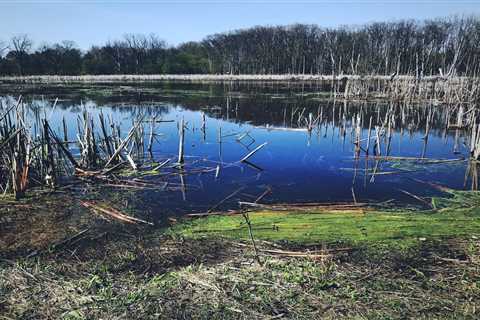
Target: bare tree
21,43
20,46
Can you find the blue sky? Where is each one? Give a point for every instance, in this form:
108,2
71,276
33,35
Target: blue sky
90,22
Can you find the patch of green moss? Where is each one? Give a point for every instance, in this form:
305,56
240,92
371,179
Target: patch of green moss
465,201
399,226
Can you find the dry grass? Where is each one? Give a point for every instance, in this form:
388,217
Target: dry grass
134,277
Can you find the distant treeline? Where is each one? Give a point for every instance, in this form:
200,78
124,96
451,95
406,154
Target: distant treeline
447,46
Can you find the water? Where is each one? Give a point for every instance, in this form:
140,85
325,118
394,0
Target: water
298,165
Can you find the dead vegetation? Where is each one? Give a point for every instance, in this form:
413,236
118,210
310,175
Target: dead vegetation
155,276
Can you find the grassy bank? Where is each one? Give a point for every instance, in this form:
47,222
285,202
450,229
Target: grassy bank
363,264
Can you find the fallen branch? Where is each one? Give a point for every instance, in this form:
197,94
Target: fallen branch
251,153
296,254
216,213
416,197
225,199
113,213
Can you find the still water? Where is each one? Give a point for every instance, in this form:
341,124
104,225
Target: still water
224,122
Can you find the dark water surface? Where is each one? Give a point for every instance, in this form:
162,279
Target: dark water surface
297,164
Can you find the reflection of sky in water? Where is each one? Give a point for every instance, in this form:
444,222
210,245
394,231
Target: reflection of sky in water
298,166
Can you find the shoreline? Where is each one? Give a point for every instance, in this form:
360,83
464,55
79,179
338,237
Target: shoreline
220,78
439,89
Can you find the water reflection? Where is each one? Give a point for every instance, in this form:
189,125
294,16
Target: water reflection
317,150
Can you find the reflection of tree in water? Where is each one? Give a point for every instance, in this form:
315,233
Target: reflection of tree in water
259,103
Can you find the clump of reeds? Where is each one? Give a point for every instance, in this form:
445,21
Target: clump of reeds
403,88
43,158
16,149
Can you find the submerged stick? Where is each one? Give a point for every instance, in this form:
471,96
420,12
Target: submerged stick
369,134
161,165
181,142
225,199
253,152
263,195
354,197
416,197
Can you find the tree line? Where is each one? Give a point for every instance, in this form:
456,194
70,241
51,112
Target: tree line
445,46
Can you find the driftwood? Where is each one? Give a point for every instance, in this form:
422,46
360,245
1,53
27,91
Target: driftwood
310,207
113,213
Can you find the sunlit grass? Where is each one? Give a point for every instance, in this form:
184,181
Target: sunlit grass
456,219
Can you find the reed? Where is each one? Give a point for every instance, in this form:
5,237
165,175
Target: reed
29,160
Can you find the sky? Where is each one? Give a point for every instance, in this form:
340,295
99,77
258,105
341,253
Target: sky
89,22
